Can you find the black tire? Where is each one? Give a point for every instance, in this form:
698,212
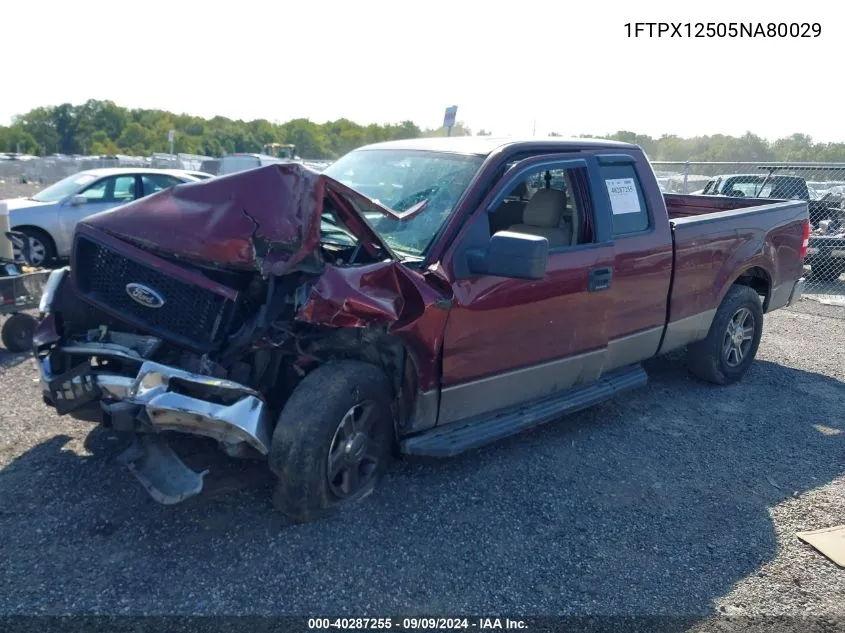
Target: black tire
320,416
47,246
723,358
827,270
17,332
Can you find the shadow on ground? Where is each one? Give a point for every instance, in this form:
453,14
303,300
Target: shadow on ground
656,502
9,360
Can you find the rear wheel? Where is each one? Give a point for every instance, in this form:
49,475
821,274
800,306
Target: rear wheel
333,440
17,332
731,344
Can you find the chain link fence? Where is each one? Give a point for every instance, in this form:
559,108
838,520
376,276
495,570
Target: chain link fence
48,170
821,185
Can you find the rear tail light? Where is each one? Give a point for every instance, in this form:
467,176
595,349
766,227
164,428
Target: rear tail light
806,243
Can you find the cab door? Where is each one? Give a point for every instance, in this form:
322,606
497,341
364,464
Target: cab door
514,340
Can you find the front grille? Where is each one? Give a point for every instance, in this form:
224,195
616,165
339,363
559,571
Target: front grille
191,315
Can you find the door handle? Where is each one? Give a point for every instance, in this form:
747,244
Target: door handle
599,279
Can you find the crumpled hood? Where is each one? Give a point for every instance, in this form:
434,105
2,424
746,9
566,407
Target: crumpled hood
266,219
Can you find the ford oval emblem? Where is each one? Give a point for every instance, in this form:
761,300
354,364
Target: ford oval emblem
144,295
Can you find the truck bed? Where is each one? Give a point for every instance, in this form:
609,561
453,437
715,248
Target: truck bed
684,205
713,235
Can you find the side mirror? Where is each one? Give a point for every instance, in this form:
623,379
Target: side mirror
76,201
513,255
21,242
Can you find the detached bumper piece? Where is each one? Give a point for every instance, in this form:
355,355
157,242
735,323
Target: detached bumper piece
162,398
163,475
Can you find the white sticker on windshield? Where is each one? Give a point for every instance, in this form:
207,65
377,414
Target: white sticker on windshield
623,195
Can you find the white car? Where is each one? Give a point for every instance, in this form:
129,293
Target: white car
49,217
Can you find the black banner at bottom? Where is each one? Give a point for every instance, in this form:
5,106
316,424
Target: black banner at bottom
273,624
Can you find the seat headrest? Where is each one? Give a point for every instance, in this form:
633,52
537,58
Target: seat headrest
545,208
520,191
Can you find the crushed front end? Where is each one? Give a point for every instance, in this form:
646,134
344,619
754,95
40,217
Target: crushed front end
199,310
148,370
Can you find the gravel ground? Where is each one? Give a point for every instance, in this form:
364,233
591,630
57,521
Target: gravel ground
12,189
681,498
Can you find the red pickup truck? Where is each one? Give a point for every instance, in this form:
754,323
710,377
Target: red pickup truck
421,297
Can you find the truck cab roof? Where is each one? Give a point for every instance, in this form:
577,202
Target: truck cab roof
486,145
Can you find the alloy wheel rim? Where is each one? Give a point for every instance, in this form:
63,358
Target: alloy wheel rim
739,335
37,252
353,458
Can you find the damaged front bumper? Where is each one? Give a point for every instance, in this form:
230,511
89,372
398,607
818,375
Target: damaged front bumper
147,398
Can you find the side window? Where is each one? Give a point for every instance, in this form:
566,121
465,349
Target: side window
113,189
554,204
156,182
97,191
627,202
124,188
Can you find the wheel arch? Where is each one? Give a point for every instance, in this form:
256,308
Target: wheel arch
758,279
413,411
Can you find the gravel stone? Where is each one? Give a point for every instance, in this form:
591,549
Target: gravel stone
680,498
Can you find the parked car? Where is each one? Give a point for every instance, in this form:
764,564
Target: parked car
771,186
292,318
233,163
210,166
49,217
826,252
199,175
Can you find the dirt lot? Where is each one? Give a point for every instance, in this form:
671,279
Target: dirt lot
12,189
681,498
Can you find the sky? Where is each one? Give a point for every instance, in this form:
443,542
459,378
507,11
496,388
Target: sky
512,69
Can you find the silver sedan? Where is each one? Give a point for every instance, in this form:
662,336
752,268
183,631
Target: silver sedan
49,217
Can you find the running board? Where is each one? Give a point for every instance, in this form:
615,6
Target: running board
464,435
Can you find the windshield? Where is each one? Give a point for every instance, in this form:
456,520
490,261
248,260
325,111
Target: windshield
402,179
64,188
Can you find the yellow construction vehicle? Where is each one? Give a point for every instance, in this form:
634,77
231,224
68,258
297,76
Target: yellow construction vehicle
281,150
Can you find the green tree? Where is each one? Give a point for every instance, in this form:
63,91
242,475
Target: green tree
308,137
135,139
39,123
101,144
15,138
104,127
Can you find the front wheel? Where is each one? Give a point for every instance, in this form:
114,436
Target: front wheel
731,344
41,249
333,440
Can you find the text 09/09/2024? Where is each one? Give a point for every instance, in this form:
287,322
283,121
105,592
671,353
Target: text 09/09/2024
723,29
